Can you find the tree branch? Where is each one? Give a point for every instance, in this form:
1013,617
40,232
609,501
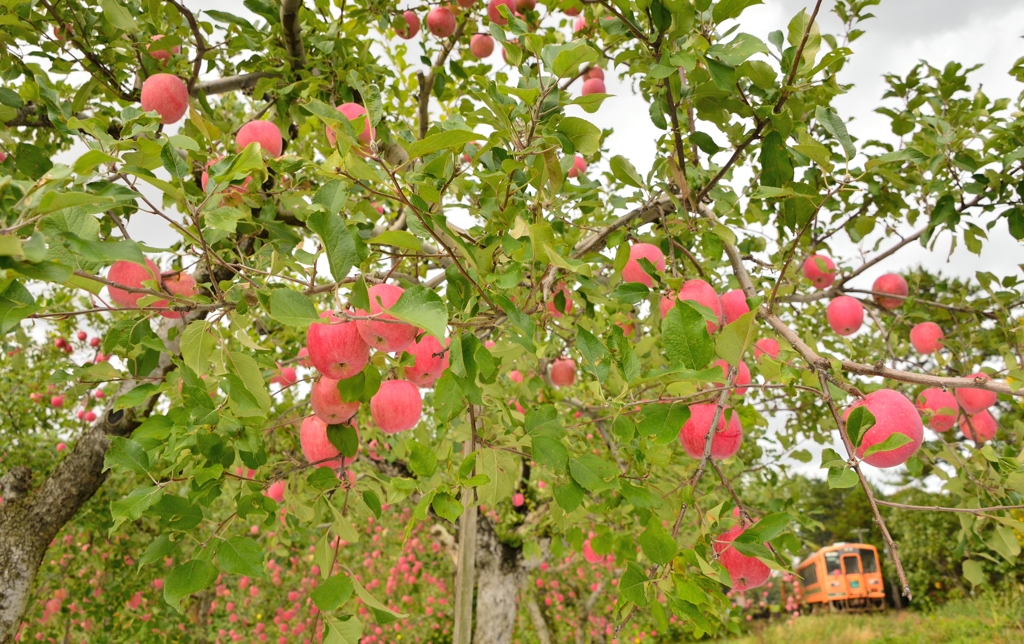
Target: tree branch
293,32
231,83
427,82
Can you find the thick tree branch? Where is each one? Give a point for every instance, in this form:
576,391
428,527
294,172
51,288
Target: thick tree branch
293,32
231,83
427,82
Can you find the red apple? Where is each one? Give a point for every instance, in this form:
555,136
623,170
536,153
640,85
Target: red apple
845,315
594,72
397,406
286,376
526,5
745,572
552,309
634,272
466,4
90,416
926,337
979,428
572,11
495,16
694,432
82,335
316,447
131,275
412,25
95,342
441,22
589,554
593,86
303,357
940,406
431,361
276,491
204,179
892,284
515,376
167,95
734,305
699,291
266,133
381,335
580,24
60,343
820,270
893,414
742,375
975,401
327,403
518,499
481,45
180,284
57,401
355,113
159,52
336,348
563,372
579,166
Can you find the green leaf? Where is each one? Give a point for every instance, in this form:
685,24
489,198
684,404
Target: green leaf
188,578
974,573
126,454
657,544
442,141
592,472
548,451
727,9
136,396
422,460
446,506
173,163
344,438
347,630
373,502
633,584
332,196
624,171
422,307
837,128
568,57
241,556
382,613
766,529
906,154
858,422
197,346
248,372
663,421
568,494
337,241
585,136
331,594
686,337
893,441
118,16
501,469
292,308
397,238
1004,541
841,477
736,338
131,507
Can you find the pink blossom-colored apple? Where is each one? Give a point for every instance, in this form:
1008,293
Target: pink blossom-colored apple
699,291
580,24
276,491
384,332
926,337
495,15
180,284
518,499
893,413
431,361
161,52
891,284
939,407
131,275
821,270
552,309
515,376
90,416
563,372
95,342
589,554
980,427
634,272
303,357
694,432
81,335
336,348
594,72
412,25
593,86
57,401
397,406
845,315
745,572
579,167
317,448
167,95
441,22
742,375
481,45
266,133
327,403
285,376
355,113
975,401
734,305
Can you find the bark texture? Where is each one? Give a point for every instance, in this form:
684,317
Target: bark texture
499,571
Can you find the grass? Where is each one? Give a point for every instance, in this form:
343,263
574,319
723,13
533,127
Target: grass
988,619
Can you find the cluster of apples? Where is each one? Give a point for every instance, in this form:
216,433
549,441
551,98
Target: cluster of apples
340,349
845,314
133,275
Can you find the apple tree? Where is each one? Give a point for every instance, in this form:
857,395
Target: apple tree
406,281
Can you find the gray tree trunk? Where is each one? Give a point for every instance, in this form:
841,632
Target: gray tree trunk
499,571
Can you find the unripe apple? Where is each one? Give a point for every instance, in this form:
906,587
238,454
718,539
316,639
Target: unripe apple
975,401
82,335
131,275
336,348
441,22
412,25
593,86
481,45
926,337
167,95
845,315
745,572
495,16
316,446
742,375
276,491
579,166
431,361
727,439
892,284
634,272
396,406
354,112
699,291
734,305
980,427
893,413
563,372
940,406
327,403
266,133
159,52
594,72
384,336
57,401
820,270
180,284
552,309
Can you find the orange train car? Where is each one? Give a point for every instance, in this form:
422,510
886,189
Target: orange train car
843,576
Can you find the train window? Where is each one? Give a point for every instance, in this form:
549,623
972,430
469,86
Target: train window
809,574
832,566
852,564
867,556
